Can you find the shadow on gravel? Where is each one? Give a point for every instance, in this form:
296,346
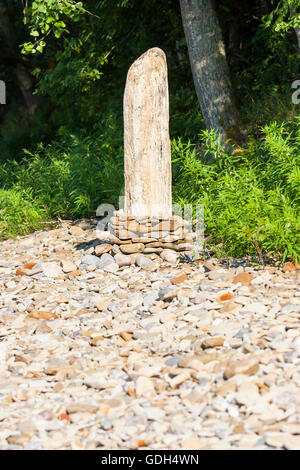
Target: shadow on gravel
88,245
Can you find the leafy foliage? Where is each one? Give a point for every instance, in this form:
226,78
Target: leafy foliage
68,183
251,199
45,17
20,213
284,16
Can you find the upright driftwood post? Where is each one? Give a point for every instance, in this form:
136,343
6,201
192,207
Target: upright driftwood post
146,224
147,153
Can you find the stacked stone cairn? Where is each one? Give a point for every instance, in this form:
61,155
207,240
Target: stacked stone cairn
128,235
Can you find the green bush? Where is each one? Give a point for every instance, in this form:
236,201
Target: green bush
251,199
19,213
69,178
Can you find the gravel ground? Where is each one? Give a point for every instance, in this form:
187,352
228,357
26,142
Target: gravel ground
106,355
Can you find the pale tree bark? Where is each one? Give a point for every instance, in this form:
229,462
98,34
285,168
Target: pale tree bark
209,67
23,77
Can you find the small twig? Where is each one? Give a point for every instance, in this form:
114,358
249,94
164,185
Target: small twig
259,253
241,58
87,11
41,39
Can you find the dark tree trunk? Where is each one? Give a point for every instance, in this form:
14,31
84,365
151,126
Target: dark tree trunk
23,77
234,35
209,67
293,12
263,7
297,31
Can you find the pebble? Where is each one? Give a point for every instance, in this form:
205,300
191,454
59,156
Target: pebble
248,366
111,268
243,278
96,380
247,394
143,262
213,342
193,444
144,387
89,260
105,260
122,260
102,248
133,248
68,266
50,269
179,279
255,307
76,231
169,255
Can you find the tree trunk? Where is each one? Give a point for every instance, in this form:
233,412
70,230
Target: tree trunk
293,13
297,31
263,8
209,67
234,35
22,75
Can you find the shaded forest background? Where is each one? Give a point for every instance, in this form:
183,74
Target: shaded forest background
61,131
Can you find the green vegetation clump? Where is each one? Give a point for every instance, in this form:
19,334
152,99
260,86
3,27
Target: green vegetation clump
251,196
20,213
65,179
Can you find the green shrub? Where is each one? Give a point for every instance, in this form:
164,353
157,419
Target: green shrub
251,200
19,213
68,178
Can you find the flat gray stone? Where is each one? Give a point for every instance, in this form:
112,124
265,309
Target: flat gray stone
105,260
88,260
143,262
150,298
